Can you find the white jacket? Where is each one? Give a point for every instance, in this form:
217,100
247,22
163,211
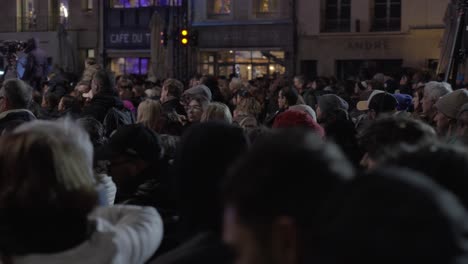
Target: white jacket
124,235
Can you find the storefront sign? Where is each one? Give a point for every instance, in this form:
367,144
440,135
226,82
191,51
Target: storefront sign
128,39
245,36
368,45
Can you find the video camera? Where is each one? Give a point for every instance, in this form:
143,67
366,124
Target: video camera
10,47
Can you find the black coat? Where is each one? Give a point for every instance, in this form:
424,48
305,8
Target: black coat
169,122
14,119
100,105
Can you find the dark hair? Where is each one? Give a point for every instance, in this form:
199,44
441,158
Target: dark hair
445,164
211,144
174,87
105,82
70,102
291,95
18,93
390,216
52,100
390,131
95,130
125,83
286,173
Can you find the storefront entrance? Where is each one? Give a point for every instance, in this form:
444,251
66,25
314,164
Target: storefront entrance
246,64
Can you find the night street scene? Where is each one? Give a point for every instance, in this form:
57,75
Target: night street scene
234,131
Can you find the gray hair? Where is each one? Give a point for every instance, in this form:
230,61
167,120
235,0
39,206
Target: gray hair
217,112
71,149
434,90
18,93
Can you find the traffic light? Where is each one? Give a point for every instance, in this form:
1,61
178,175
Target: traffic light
164,38
184,37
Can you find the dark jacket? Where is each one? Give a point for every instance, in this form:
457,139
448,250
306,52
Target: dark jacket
100,105
169,122
202,248
11,119
58,86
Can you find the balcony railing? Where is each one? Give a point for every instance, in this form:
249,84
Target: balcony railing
30,24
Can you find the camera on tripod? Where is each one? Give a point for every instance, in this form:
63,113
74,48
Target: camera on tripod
9,48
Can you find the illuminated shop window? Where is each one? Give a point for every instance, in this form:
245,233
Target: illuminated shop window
130,65
267,6
144,3
219,7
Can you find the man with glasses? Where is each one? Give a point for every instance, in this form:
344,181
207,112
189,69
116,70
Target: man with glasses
15,97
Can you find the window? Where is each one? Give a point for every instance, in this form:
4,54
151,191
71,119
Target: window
144,3
219,7
87,5
132,65
63,11
29,15
266,6
90,53
245,64
337,16
387,15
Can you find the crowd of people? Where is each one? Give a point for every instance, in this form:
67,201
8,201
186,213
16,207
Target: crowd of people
222,170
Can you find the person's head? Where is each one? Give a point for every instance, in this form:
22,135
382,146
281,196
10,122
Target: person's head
131,150
217,112
139,91
270,199
447,108
83,86
391,215
248,105
102,83
15,94
445,164
149,114
171,88
235,85
45,175
199,90
68,102
195,80
404,101
50,101
462,123
432,92
379,102
298,119
418,95
328,107
391,131
299,82
306,109
212,145
125,89
196,107
287,97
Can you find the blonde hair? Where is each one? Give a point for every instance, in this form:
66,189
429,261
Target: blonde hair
46,172
45,164
149,114
249,106
217,112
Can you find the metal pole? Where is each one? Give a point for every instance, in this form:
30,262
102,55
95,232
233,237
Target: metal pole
452,65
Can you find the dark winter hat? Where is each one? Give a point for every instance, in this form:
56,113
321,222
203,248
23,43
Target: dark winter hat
133,140
330,102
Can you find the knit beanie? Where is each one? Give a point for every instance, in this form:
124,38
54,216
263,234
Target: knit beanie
293,118
451,103
330,102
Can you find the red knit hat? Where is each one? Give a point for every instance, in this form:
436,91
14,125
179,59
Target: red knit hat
293,118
